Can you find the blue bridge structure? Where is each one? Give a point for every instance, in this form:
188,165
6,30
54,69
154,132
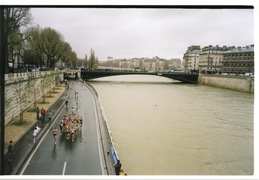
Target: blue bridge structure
87,75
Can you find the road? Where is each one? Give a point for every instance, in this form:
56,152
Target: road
81,157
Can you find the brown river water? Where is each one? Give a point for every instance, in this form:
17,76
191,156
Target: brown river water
163,127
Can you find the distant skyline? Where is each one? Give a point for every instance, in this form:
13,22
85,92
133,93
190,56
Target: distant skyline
133,32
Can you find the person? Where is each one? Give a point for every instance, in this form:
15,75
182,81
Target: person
38,113
44,114
55,132
50,116
10,151
35,133
66,102
38,128
61,122
73,109
117,167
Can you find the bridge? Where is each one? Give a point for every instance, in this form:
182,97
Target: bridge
87,74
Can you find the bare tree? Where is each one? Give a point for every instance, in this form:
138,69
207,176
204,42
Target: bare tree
20,95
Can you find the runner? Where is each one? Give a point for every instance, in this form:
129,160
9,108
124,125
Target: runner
55,132
73,109
61,126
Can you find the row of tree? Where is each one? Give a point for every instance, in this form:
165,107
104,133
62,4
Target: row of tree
36,46
27,90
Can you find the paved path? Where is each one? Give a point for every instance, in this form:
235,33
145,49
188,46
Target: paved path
81,157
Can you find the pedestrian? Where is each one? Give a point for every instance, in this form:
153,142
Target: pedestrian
117,167
50,116
44,114
55,132
66,102
35,133
38,113
38,128
10,151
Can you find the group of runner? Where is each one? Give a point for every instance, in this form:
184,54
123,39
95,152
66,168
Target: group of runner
69,125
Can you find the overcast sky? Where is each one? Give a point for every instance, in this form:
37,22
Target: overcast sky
130,32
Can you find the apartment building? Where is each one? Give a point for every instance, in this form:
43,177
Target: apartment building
191,58
211,58
231,59
238,60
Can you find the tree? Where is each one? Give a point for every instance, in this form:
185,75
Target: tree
93,61
7,102
66,54
53,46
20,95
14,20
34,52
43,84
32,87
85,61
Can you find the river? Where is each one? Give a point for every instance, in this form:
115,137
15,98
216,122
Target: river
163,127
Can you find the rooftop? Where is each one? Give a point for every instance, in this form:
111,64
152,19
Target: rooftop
241,49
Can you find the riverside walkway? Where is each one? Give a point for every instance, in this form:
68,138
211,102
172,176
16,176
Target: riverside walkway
84,156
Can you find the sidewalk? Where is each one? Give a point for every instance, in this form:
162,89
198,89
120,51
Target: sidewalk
24,145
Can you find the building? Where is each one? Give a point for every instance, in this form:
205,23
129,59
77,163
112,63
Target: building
175,64
238,60
191,58
211,58
150,65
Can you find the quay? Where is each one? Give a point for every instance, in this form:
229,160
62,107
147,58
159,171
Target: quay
89,154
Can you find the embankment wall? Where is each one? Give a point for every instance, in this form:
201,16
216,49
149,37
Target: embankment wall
238,83
26,88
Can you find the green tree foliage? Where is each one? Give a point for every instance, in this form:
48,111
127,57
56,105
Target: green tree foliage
93,61
34,52
14,20
45,47
85,61
52,46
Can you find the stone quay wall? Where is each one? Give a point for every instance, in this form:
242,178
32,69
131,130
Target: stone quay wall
238,83
23,89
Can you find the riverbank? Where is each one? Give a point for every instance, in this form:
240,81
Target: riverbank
14,131
238,83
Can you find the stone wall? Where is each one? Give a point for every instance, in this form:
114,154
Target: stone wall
239,83
21,81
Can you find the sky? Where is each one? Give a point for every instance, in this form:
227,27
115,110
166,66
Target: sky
146,32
